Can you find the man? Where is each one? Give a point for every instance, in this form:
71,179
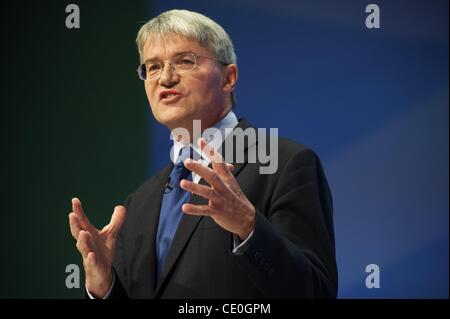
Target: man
205,228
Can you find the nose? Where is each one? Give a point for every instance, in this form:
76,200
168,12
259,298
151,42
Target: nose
169,76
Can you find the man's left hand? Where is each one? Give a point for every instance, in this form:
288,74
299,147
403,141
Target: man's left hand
227,204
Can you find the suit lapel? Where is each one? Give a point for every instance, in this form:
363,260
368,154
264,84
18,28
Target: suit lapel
243,124
189,223
147,222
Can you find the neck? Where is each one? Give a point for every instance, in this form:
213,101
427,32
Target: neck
193,129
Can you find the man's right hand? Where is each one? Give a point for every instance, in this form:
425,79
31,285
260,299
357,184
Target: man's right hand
97,247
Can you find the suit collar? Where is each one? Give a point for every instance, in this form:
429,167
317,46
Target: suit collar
147,222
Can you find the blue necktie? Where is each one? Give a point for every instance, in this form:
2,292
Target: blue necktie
170,215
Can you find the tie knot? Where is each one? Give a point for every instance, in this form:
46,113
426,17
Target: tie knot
185,152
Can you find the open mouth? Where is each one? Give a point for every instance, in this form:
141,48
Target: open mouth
170,96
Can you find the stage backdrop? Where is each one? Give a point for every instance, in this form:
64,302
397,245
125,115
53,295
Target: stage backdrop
373,103
73,123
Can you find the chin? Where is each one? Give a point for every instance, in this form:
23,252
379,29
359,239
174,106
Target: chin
173,120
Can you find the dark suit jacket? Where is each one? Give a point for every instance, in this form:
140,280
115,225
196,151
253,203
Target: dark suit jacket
291,253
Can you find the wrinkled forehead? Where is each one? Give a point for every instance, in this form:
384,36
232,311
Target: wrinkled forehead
165,46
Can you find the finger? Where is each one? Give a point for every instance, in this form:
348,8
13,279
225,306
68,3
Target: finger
201,190
206,173
84,244
117,219
209,151
75,226
219,165
91,260
78,209
216,159
199,210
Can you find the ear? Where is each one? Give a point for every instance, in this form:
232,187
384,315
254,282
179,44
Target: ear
231,75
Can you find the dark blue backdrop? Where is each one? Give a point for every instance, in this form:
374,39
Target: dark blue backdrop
373,104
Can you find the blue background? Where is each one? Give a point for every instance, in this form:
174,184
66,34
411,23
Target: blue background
373,103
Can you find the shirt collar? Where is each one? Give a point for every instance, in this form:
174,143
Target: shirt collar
215,140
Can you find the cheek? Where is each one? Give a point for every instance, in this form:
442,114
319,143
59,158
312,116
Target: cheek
150,91
209,86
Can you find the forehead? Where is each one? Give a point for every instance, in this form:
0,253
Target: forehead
166,46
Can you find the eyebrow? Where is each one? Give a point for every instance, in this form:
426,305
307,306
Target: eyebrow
157,59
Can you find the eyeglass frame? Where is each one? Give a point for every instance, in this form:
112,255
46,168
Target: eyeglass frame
174,69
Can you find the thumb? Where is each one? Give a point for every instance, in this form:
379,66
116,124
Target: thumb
117,219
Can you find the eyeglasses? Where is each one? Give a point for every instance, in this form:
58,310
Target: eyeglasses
180,63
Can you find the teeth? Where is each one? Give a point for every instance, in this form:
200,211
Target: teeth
169,95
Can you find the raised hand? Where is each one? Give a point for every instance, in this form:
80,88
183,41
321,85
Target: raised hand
97,247
227,204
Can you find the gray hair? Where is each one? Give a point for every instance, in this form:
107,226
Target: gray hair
194,26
